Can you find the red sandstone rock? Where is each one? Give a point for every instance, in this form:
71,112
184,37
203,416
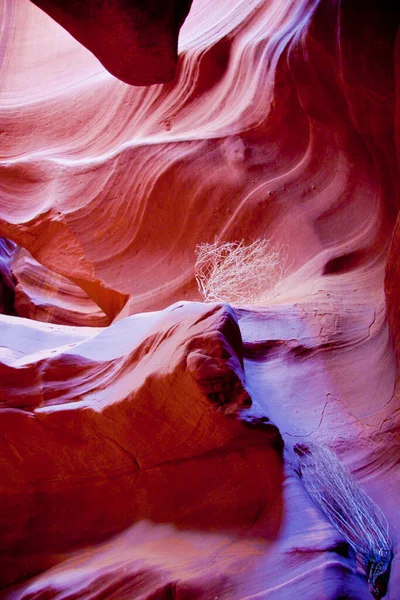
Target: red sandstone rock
117,425
282,122
7,282
45,296
135,41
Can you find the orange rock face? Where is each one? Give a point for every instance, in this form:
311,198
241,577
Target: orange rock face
141,430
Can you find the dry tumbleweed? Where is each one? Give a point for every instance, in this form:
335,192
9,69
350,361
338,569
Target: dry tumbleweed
237,273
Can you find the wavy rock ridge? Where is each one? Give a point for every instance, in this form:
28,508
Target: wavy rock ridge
281,123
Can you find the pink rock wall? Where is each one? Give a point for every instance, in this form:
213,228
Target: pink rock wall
281,122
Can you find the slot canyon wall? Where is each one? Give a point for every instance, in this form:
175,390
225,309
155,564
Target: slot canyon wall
146,437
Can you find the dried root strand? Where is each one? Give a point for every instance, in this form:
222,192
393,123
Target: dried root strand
350,510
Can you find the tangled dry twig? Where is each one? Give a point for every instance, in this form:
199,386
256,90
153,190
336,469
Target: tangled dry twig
237,273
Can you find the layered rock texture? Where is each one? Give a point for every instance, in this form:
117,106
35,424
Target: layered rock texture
145,436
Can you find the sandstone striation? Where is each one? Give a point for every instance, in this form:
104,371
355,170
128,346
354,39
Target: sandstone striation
141,430
134,414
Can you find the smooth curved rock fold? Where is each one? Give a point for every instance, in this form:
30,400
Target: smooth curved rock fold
116,425
141,446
